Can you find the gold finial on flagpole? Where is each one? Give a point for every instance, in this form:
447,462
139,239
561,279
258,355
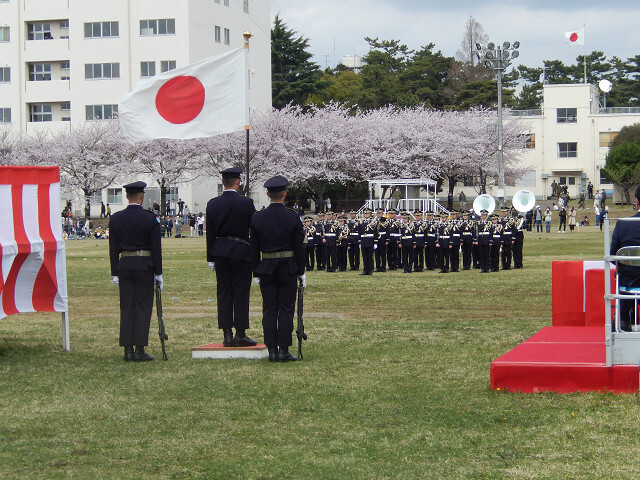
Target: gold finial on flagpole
247,35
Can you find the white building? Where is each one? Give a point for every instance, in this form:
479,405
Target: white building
568,142
65,62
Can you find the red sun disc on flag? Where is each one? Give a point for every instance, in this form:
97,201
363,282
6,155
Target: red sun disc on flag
181,99
573,37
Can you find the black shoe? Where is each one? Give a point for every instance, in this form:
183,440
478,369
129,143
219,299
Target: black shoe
228,337
273,354
141,356
128,354
285,356
241,340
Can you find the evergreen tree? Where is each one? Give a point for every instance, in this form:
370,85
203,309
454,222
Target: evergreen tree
294,77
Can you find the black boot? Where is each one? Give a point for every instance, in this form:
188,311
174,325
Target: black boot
141,356
273,354
228,337
241,339
128,354
285,356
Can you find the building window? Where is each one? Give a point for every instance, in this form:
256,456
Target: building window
4,34
114,196
166,65
603,179
147,69
164,26
567,115
217,1
65,106
606,138
66,119
40,112
64,24
226,3
5,74
101,112
39,72
39,31
567,150
65,65
5,115
245,6
572,180
529,140
227,37
101,70
101,29
217,34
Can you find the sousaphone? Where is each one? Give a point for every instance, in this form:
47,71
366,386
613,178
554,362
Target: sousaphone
484,202
523,200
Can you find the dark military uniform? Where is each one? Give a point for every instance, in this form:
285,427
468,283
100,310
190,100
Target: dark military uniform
227,223
466,230
394,241
382,227
368,234
507,239
456,238
419,235
407,243
495,242
277,249
135,254
431,232
342,244
319,226
353,242
330,241
483,237
518,241
310,249
443,244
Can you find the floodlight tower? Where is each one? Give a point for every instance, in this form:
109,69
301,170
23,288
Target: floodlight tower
499,58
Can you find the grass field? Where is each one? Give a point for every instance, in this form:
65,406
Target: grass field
394,384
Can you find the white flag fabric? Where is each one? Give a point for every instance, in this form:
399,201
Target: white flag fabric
575,37
203,99
33,273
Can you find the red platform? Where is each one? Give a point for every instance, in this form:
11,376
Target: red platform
562,359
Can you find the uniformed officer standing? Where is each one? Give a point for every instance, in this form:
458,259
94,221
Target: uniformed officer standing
495,242
367,241
518,241
229,255
456,238
320,260
419,237
394,240
310,248
277,249
482,239
407,243
135,254
466,230
432,235
382,226
508,235
330,243
443,244
342,243
353,241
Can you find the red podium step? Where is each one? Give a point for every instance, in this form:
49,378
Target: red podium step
563,360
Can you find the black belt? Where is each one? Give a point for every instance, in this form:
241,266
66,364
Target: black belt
235,239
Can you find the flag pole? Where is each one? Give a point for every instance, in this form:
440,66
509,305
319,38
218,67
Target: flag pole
247,35
584,51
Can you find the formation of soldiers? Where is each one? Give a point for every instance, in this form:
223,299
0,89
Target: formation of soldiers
414,242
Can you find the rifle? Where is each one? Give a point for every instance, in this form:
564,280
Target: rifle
300,327
161,332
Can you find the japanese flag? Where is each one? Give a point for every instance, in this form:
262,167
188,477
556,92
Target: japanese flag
203,99
575,37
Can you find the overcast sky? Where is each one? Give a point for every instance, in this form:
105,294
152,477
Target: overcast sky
338,27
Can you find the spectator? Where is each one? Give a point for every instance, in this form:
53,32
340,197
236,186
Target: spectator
547,220
572,219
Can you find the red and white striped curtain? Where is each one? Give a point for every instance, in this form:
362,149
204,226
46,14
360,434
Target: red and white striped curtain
33,273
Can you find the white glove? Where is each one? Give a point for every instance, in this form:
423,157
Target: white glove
158,279
375,246
212,266
256,280
303,280
116,281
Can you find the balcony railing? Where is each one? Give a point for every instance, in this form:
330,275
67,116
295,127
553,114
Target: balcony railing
534,112
618,110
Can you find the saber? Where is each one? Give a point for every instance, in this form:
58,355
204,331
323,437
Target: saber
300,327
161,332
